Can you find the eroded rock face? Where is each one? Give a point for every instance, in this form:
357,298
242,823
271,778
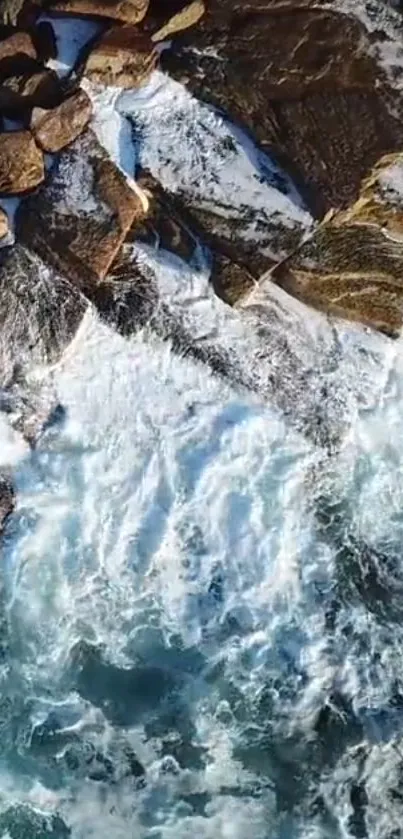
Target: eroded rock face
79,219
40,313
125,11
305,81
123,57
353,264
21,163
58,127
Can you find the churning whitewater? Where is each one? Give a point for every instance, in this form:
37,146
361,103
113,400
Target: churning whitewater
201,603
186,649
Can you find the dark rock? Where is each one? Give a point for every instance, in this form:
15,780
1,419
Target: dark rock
124,56
14,51
40,313
35,88
124,11
56,128
21,163
305,81
78,221
7,500
44,38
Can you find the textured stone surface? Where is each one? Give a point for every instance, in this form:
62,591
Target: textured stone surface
4,228
56,128
14,50
353,264
182,19
40,312
123,56
305,81
21,163
125,11
37,87
79,219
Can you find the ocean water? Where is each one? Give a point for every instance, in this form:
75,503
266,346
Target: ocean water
201,594
200,611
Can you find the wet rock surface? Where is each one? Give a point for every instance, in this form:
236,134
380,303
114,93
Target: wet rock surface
80,218
124,56
56,128
40,312
315,94
21,163
352,266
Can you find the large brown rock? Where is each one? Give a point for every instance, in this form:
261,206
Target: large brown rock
21,163
124,11
308,82
352,266
37,87
79,219
123,56
56,128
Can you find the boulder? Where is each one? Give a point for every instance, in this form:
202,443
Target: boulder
124,11
14,52
21,163
39,87
10,10
58,127
183,19
40,313
309,82
79,219
352,266
123,57
7,500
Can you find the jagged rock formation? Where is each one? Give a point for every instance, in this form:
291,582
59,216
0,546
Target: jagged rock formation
305,80
78,221
353,264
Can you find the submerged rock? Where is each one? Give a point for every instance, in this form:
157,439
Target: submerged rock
7,500
78,221
21,162
40,313
56,128
123,57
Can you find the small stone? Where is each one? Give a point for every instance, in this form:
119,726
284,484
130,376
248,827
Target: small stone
123,57
56,128
21,163
125,11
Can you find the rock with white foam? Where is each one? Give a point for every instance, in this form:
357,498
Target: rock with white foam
79,220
